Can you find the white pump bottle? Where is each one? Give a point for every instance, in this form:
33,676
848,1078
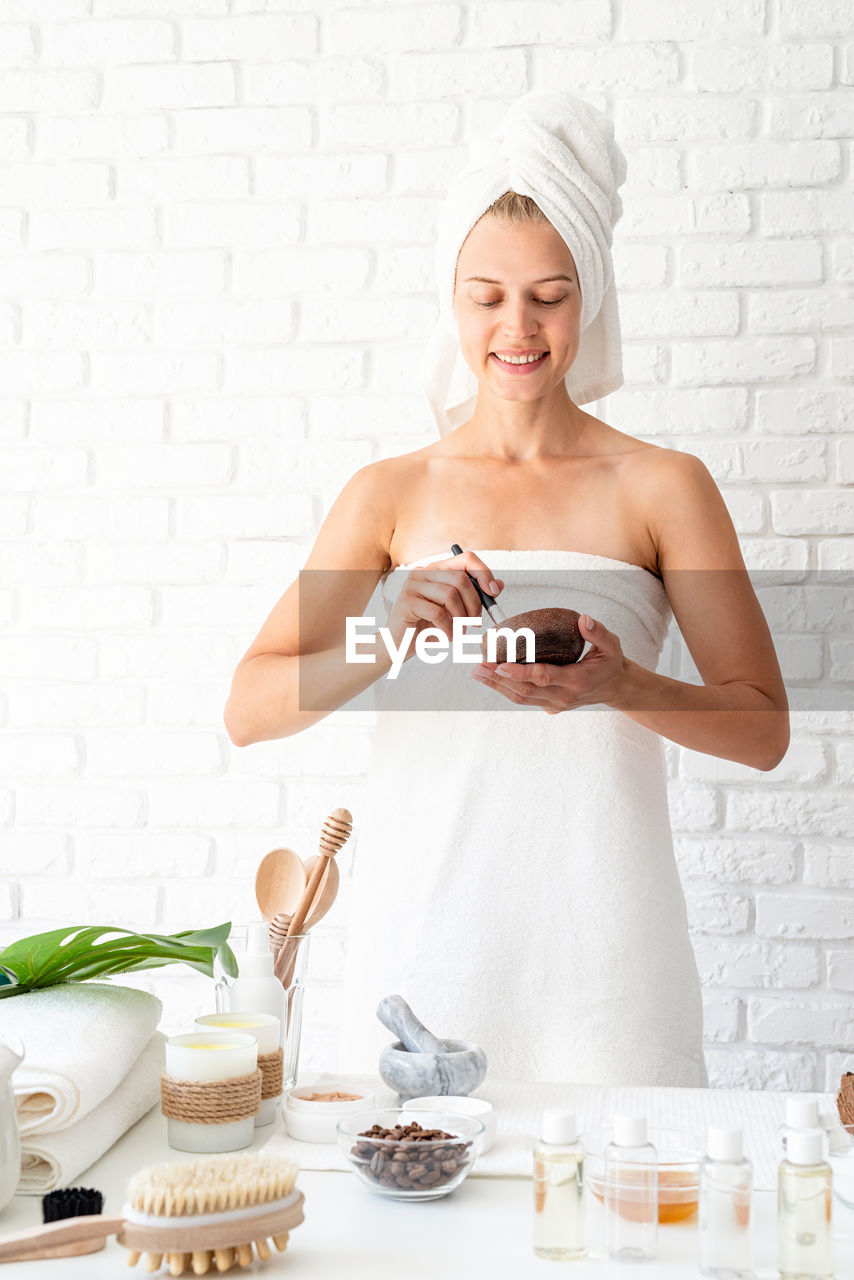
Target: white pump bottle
256,989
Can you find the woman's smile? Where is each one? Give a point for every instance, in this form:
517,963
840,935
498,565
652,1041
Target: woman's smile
516,366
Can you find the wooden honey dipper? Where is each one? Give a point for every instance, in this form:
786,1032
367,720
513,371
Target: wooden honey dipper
333,836
279,931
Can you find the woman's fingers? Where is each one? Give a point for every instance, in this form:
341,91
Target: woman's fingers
473,564
515,691
538,684
433,604
435,595
536,673
448,599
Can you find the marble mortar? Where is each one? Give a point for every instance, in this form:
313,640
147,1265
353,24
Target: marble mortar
419,1064
459,1070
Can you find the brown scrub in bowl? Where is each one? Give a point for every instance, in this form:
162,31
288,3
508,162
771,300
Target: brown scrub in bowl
557,638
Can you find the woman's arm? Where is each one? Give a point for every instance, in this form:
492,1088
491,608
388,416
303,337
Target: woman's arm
293,674
740,712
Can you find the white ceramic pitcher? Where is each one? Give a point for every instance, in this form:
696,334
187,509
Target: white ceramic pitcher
11,1054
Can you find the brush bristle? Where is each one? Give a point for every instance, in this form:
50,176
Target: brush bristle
211,1184
71,1202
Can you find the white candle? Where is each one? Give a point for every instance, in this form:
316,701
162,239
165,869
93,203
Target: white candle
265,1028
206,1057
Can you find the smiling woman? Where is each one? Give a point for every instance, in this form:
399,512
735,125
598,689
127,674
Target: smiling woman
514,331
516,844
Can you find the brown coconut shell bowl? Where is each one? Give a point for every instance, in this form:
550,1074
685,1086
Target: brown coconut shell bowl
557,638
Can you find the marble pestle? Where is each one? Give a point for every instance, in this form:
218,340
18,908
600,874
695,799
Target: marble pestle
419,1064
394,1013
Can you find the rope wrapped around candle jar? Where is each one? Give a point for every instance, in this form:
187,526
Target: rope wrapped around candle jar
272,1068
265,1030
211,1101
210,1091
845,1100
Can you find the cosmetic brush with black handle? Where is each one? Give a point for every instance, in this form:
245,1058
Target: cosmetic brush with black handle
557,638
490,604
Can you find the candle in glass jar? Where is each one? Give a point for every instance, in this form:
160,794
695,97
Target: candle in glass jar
265,1028
208,1057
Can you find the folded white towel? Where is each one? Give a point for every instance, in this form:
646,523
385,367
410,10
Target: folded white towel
560,151
51,1160
80,1040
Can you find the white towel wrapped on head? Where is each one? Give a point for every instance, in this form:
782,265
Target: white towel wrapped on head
80,1040
560,151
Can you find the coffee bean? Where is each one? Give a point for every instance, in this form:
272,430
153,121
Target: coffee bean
408,1166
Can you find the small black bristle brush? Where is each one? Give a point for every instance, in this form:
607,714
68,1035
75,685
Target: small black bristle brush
71,1202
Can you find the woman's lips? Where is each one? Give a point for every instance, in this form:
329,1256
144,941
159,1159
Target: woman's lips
519,370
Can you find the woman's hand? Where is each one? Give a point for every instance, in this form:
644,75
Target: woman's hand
597,677
435,595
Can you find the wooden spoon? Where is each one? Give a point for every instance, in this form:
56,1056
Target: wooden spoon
323,900
333,836
327,890
280,882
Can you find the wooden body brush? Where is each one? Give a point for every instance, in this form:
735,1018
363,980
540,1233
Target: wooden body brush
193,1215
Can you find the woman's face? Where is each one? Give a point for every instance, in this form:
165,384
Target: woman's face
516,293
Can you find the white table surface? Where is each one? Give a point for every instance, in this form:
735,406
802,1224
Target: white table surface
483,1229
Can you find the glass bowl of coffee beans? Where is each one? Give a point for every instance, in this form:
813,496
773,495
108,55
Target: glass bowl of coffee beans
410,1155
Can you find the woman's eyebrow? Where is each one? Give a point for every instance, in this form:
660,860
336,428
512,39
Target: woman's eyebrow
542,280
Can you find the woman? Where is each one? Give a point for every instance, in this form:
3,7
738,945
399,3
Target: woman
515,877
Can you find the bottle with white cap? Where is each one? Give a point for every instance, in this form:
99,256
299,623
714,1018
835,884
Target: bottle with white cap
256,989
804,1240
801,1113
559,1189
726,1189
631,1192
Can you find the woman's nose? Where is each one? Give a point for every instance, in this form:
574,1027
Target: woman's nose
519,317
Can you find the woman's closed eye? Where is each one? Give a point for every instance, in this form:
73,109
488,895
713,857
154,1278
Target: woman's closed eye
544,302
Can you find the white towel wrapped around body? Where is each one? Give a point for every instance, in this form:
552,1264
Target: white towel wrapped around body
521,865
80,1041
560,151
51,1160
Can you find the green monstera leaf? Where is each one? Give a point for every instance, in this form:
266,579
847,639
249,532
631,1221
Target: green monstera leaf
78,952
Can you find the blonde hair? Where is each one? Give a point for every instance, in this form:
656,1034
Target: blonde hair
515,208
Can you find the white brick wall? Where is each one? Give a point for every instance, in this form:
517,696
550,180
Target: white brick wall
215,279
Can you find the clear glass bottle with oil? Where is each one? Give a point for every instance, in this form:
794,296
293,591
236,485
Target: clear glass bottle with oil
804,1240
559,1189
726,1186
631,1192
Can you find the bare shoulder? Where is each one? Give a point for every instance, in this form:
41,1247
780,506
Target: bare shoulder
651,473
354,533
358,528
658,468
684,510
389,480
673,479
